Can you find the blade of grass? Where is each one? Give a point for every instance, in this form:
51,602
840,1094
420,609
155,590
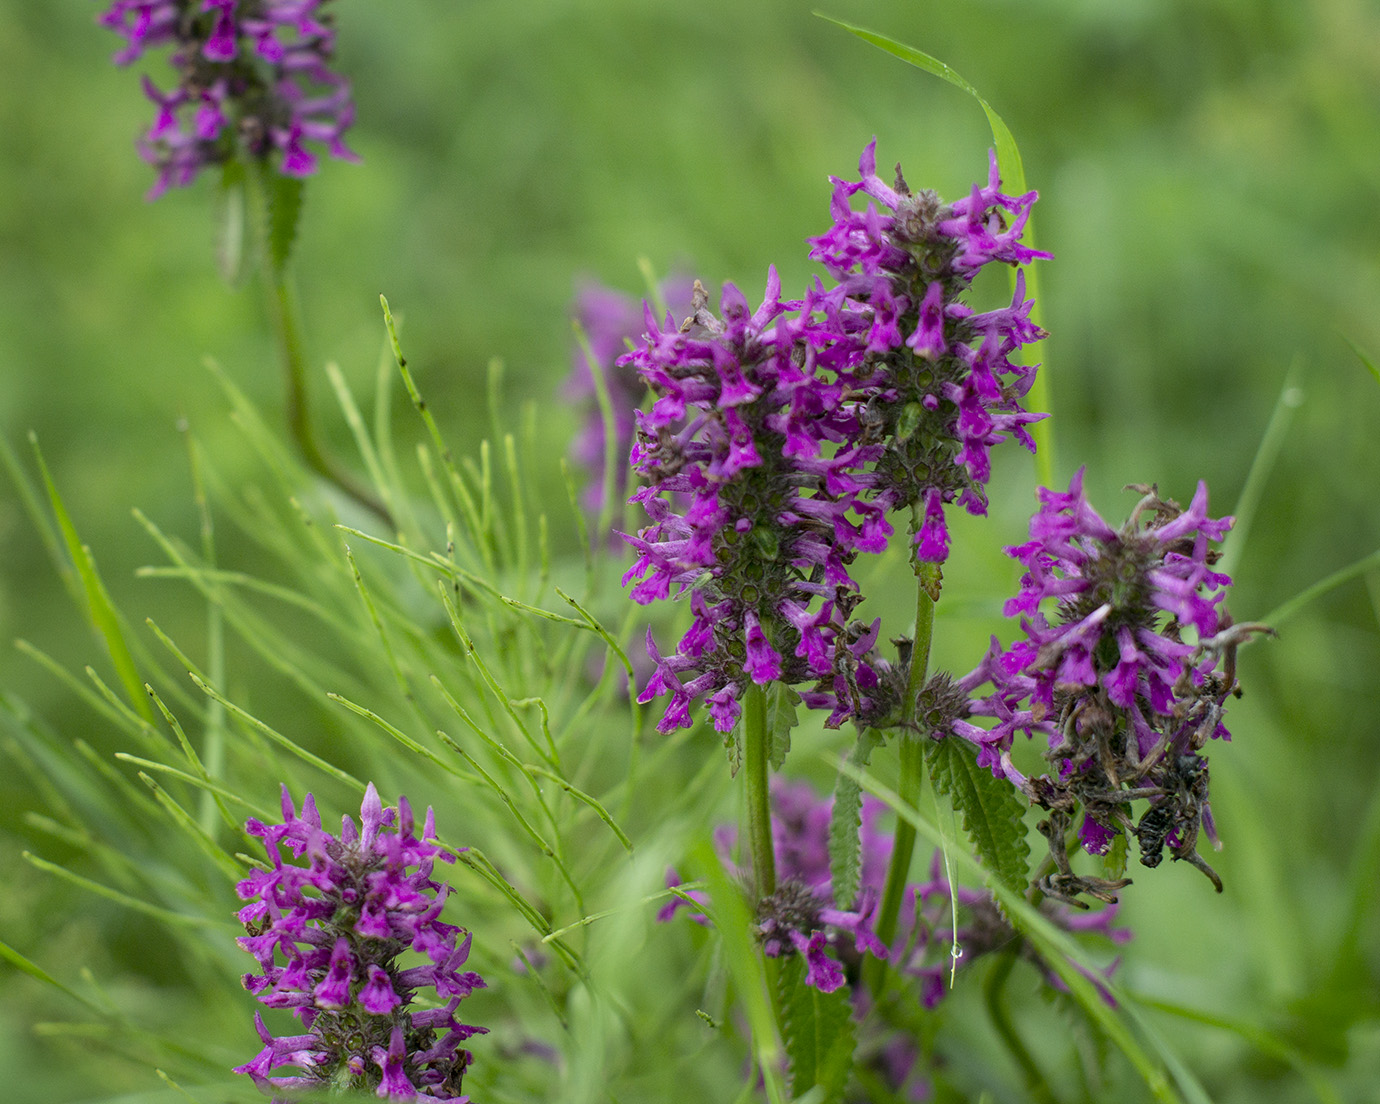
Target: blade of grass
405,740
99,607
733,921
1266,453
278,738
593,803
184,820
457,485
220,792
180,919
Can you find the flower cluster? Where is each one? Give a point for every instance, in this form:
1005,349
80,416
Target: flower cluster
804,917
340,924
252,76
749,453
938,385
781,439
1125,701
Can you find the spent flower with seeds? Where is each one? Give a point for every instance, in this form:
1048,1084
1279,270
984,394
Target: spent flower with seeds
327,938
252,79
1127,676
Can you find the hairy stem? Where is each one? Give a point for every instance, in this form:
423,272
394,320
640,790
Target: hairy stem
755,768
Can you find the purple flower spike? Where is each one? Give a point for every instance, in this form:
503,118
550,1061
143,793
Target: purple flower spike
339,924
755,490
1127,662
252,79
936,380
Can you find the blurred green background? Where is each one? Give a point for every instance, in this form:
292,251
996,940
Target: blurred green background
1209,174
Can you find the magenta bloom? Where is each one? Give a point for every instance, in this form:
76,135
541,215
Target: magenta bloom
1124,634
936,377
327,938
755,491
252,78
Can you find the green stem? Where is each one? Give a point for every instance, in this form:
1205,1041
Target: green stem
288,326
756,765
993,990
912,755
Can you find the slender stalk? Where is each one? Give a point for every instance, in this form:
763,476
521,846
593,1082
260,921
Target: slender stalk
993,990
755,769
912,754
288,327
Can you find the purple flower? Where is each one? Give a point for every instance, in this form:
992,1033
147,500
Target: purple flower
936,380
252,78
1124,633
755,491
327,937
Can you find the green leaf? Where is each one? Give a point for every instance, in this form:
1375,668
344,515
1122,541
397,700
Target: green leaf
231,205
991,810
781,718
284,210
819,1030
845,844
1114,861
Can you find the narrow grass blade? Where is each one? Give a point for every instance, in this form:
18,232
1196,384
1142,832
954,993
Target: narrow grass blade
355,421
1266,453
733,921
401,737
257,811
38,973
195,760
181,919
278,738
1286,610
184,820
593,803
99,607
457,484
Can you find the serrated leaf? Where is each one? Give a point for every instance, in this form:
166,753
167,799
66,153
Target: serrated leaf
781,718
990,807
819,1032
845,843
284,197
733,744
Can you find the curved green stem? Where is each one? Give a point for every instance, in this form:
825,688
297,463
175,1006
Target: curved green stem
912,754
287,324
756,765
993,990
